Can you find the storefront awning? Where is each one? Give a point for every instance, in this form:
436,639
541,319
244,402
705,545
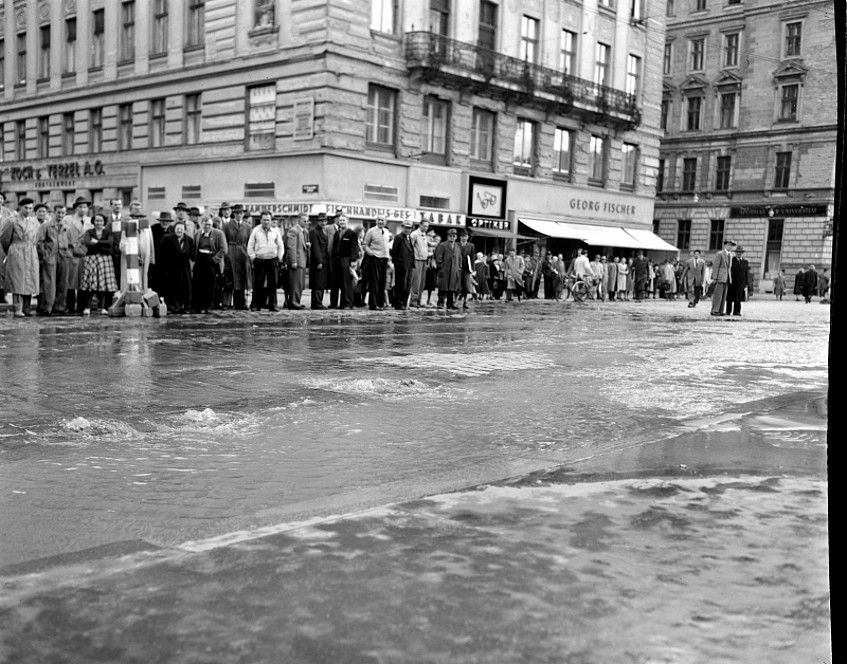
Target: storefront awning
649,240
599,236
496,232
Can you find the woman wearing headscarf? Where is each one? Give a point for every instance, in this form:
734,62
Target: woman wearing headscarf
98,267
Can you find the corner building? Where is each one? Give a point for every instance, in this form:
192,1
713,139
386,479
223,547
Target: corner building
749,111
536,120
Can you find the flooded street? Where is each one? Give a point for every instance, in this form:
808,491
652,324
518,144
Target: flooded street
625,482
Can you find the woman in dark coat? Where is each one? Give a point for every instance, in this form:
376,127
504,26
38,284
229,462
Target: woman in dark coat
175,269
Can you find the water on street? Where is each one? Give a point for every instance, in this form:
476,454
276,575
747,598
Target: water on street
686,521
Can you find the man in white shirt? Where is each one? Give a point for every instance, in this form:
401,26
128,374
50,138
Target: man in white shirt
421,248
266,249
582,266
376,247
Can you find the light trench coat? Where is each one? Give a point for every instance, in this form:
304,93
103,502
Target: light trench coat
22,268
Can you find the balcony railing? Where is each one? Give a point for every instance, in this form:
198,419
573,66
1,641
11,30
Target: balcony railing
465,65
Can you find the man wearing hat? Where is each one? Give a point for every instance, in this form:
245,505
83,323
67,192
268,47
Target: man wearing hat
237,233
52,237
468,256
403,258
722,277
182,213
295,261
319,261
69,263
739,272
159,229
19,240
194,218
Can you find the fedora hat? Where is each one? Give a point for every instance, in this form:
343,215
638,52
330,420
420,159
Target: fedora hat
81,201
181,206
165,216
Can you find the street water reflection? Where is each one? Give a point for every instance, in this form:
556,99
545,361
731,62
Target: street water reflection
174,433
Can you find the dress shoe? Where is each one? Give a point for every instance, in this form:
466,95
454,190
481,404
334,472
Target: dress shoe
274,309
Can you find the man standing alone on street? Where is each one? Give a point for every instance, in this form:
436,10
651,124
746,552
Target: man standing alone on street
295,261
722,277
693,276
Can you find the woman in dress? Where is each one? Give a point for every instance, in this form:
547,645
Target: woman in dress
98,268
623,275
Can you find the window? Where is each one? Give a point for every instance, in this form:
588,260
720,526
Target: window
259,189
264,14
43,144
667,63
788,102
157,123
629,153
601,63
261,115
697,51
196,23
660,176
439,17
382,15
125,127
633,74
487,36
21,71
482,135
529,39
699,5
380,121
663,119
562,152
98,28
160,27
635,10
435,126
693,114
782,172
127,31
44,52
567,53
68,133
729,108
669,9
689,174
716,231
524,152
793,33
683,234
70,45
192,116
597,160
730,49
95,130
20,139
724,164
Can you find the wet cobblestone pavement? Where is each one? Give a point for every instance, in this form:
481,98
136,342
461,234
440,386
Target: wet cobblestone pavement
506,486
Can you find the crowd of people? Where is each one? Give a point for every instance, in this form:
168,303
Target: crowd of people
72,260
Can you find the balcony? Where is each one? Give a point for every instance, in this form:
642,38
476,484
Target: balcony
437,59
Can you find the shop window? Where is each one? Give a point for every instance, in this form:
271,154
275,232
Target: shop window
773,246
562,153
261,117
381,117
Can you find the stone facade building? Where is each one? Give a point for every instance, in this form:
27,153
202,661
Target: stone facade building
538,118
749,111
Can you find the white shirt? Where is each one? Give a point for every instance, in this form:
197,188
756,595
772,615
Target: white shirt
582,266
265,244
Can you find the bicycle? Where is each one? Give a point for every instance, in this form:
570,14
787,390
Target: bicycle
582,288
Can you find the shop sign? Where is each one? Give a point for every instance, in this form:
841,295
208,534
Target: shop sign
57,175
494,224
442,218
759,211
353,210
486,197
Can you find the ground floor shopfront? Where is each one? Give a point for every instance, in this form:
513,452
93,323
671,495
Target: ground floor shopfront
776,236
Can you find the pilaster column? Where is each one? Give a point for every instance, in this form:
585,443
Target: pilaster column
10,55
31,47
142,36
83,41
176,32
587,39
56,45
110,59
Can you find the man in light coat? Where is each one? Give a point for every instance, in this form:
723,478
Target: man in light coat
721,264
295,261
70,266
693,277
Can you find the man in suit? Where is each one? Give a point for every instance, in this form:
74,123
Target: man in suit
295,261
345,253
736,292
693,276
810,283
640,275
330,230
318,261
403,258
722,277
237,233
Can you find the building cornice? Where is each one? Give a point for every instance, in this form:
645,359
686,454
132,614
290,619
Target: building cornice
737,136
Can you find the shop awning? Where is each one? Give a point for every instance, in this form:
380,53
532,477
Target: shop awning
649,240
599,236
496,232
